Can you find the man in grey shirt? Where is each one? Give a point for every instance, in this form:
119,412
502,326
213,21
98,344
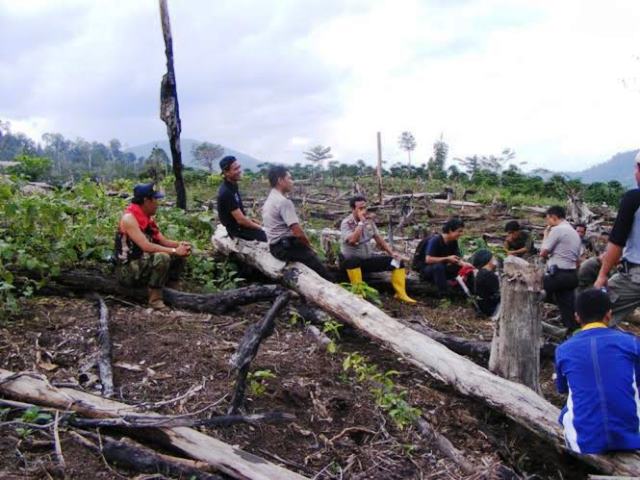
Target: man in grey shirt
561,247
356,232
287,240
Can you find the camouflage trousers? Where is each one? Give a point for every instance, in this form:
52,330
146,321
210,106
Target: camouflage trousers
152,270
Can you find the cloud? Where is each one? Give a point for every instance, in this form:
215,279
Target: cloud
271,78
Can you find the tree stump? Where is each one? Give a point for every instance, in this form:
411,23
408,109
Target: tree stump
517,336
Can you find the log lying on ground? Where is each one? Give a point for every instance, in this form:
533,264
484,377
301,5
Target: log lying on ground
126,453
224,457
516,401
104,359
91,281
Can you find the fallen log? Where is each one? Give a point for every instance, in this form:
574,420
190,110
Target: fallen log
445,446
518,402
220,302
248,348
225,458
104,358
131,455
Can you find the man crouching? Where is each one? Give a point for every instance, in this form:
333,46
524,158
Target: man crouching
144,256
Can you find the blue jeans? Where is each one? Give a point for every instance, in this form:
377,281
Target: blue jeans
439,274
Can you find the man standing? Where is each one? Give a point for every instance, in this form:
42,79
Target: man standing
442,260
145,258
230,208
599,368
356,231
519,242
561,247
287,240
624,243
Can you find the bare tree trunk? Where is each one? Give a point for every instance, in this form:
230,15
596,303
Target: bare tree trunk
169,108
517,337
379,169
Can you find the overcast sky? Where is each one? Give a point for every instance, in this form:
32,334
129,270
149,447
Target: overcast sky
557,81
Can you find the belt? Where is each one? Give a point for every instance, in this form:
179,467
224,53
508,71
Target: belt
627,265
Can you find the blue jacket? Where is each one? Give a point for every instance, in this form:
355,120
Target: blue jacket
599,369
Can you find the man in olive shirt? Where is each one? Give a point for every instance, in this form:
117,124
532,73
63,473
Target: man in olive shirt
356,232
519,242
287,240
561,248
230,208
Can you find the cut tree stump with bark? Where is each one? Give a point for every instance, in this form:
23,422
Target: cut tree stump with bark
517,401
227,459
517,334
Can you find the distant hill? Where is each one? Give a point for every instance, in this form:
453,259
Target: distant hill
187,144
619,167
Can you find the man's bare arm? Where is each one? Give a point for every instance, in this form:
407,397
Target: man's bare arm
243,220
610,259
297,232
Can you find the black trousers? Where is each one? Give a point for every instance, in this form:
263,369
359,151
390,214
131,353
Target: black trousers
248,234
561,289
375,263
439,274
290,249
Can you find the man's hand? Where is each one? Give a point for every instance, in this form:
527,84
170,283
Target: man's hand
601,281
362,215
453,259
183,249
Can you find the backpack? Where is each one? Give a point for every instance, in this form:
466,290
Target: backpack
418,256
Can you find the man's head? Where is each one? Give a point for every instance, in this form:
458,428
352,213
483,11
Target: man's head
555,215
230,169
145,195
513,229
637,170
581,228
482,258
593,305
453,228
358,205
280,179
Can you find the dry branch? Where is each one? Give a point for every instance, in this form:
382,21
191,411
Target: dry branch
516,401
223,457
104,359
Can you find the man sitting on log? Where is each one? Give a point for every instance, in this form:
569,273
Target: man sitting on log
561,247
145,258
599,368
230,208
287,240
519,242
356,232
442,256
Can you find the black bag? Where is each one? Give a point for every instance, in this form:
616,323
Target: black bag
417,262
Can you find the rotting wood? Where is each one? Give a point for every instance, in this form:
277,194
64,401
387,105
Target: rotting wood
238,464
517,401
126,453
517,336
248,348
445,446
104,341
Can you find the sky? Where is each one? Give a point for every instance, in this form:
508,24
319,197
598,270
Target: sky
556,81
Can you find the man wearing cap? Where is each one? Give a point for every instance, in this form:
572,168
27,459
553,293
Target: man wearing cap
624,243
230,208
486,285
144,256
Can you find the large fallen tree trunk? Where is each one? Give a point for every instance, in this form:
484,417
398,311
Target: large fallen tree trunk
516,401
220,302
225,458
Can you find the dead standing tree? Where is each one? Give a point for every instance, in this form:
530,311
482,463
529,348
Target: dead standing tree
169,108
515,349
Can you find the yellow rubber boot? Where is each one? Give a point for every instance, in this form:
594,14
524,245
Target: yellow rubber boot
355,275
398,280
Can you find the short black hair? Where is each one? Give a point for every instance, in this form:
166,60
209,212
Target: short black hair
355,199
592,305
452,225
138,200
583,225
512,226
558,211
276,173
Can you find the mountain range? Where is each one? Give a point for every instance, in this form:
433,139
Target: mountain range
619,167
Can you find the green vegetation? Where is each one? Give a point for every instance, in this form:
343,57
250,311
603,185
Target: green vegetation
363,290
258,381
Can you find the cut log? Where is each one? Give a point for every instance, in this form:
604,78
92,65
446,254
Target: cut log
126,453
104,357
225,458
220,302
248,348
518,402
517,335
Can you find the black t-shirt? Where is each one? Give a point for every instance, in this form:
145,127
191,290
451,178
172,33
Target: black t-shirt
437,247
626,217
487,289
229,200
